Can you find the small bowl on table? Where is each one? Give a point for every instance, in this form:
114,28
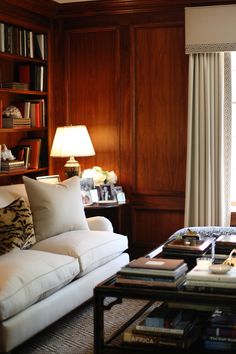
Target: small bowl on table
203,263
220,268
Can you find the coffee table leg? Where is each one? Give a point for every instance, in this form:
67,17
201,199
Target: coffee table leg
98,323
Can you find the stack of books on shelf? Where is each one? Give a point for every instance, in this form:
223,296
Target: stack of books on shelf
16,123
204,280
220,332
165,327
12,165
153,272
15,85
224,244
34,110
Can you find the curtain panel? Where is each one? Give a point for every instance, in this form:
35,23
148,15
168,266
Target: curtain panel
207,198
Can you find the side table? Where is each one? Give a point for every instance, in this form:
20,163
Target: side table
117,213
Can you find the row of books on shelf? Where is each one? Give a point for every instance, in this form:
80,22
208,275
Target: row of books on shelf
33,115
182,326
23,42
29,154
34,76
28,77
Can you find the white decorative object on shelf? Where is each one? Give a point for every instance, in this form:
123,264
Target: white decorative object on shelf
100,176
12,112
6,154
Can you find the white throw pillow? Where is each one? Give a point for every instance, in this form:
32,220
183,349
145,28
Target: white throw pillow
11,192
92,248
56,208
29,276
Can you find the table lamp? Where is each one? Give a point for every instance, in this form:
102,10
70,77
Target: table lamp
71,141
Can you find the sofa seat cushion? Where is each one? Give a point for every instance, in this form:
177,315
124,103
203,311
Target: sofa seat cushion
56,208
28,276
16,226
92,248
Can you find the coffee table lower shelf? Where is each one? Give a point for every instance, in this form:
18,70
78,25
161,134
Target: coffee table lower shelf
109,289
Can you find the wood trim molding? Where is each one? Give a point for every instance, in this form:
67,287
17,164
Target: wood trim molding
46,8
121,7
51,9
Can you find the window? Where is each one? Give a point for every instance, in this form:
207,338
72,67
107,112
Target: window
233,170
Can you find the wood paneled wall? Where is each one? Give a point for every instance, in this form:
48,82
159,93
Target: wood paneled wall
128,83
126,79
119,67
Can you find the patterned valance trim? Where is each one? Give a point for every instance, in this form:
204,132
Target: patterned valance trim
210,48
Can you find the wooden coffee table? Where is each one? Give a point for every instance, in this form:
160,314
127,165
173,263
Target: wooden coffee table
108,289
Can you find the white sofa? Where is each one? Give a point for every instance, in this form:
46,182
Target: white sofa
40,284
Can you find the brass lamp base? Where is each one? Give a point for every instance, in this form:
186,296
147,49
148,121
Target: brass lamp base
72,168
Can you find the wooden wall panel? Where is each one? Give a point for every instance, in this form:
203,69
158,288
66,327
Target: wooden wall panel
159,110
126,79
93,91
150,226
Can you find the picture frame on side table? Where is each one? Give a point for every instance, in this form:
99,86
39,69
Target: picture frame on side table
106,193
86,184
119,194
86,198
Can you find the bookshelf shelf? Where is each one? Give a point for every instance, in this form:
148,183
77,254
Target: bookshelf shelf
18,130
23,60
20,58
22,172
23,92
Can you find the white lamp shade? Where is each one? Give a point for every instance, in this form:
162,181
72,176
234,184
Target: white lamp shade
72,141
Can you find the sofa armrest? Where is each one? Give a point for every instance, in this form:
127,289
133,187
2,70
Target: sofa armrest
99,223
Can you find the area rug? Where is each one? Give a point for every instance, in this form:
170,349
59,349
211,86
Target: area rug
73,334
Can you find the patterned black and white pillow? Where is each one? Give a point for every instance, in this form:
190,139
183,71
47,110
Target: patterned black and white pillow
16,227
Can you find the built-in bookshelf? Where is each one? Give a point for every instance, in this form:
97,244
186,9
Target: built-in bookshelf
23,96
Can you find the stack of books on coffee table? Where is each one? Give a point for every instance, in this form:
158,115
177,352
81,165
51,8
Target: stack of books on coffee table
153,272
165,327
204,280
188,249
220,332
225,244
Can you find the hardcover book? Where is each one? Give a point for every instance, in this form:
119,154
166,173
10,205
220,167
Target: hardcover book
226,240
185,342
194,246
156,263
207,276
175,284
210,284
168,321
35,147
155,272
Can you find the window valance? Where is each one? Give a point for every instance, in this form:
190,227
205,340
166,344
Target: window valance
210,29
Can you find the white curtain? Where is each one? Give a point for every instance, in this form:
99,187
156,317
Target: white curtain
207,198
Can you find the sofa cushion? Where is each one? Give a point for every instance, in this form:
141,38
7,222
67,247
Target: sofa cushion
28,276
92,248
56,208
16,225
